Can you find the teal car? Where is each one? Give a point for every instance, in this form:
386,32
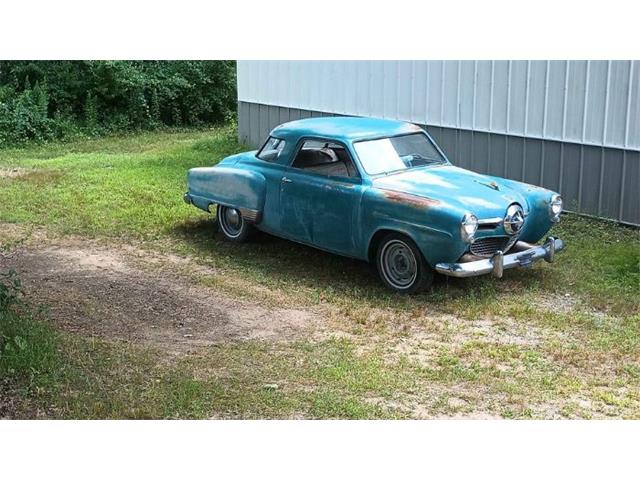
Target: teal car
381,191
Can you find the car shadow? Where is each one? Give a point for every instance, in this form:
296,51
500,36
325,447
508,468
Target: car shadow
289,264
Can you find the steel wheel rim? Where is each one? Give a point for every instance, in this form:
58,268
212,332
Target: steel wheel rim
231,221
399,265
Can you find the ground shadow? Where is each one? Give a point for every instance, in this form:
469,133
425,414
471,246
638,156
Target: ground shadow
290,264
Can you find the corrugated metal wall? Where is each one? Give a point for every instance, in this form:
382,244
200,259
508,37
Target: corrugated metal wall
573,126
587,102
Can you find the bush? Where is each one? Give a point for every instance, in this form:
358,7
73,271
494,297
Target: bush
46,100
27,346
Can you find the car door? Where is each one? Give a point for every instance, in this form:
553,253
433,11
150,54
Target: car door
320,201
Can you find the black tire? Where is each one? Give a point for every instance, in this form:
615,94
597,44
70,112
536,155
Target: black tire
401,266
233,227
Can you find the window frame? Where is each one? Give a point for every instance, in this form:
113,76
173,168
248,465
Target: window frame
357,178
264,144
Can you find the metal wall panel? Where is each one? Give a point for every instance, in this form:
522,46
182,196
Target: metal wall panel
586,102
599,181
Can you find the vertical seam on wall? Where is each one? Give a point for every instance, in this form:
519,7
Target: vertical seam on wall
426,96
526,99
488,152
581,167
565,99
397,89
606,104
412,97
524,157
561,175
382,94
370,83
628,114
506,155
493,64
458,96
472,147
475,93
508,97
546,99
442,81
585,110
542,158
622,183
601,180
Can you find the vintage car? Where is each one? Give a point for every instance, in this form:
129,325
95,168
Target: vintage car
382,191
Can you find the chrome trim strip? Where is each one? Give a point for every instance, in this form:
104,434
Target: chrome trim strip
250,215
489,221
500,262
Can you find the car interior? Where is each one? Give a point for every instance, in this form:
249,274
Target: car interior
325,158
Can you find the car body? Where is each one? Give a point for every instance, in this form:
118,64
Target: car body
344,184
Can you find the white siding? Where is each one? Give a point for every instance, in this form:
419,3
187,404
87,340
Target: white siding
590,102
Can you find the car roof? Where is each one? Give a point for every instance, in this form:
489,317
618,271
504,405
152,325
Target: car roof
343,128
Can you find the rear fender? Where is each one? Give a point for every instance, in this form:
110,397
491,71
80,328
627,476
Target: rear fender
229,186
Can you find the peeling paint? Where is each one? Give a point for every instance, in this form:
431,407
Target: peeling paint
410,199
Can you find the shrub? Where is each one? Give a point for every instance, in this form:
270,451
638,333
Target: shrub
45,100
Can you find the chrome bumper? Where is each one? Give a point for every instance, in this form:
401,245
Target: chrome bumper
500,262
187,198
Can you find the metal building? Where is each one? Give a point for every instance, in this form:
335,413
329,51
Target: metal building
571,126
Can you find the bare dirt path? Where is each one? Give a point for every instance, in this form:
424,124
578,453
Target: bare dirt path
98,290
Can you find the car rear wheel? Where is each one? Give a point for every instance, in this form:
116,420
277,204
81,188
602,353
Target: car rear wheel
401,265
232,225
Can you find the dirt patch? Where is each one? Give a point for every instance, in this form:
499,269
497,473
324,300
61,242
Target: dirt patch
34,176
8,401
95,290
13,172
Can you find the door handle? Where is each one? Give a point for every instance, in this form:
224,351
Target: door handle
286,180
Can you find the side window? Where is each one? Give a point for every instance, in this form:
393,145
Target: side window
271,149
325,158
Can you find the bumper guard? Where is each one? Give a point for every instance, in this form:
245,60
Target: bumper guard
500,262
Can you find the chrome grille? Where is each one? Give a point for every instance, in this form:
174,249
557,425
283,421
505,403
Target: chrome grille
487,246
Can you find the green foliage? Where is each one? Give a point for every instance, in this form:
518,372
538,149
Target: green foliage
46,100
27,346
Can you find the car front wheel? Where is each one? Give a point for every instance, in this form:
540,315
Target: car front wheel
401,265
232,225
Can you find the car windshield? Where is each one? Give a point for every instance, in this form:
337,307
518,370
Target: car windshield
391,154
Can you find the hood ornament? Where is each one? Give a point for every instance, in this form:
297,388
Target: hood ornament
492,185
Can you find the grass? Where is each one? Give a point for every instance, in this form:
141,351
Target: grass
65,376
557,339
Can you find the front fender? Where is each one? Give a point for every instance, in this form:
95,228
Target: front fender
432,224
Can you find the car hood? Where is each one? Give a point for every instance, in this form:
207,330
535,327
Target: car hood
481,195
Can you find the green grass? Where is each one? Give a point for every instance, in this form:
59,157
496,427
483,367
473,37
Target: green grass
131,187
118,187
66,376
583,310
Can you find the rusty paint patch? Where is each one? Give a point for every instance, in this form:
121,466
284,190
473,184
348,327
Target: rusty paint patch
410,199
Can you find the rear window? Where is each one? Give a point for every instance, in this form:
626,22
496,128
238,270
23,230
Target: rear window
271,149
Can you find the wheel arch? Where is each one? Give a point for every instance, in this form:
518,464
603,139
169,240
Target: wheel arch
377,237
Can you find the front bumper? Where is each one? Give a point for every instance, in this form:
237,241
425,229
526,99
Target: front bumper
500,262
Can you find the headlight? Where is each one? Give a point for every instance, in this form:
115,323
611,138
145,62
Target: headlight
468,227
514,219
555,208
